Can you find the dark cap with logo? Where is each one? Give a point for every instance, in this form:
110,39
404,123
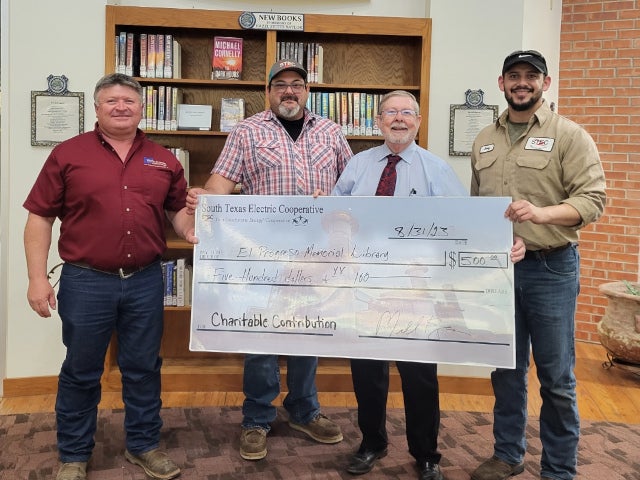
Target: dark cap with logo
284,65
531,57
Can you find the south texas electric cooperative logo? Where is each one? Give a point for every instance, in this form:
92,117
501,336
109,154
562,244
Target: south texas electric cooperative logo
300,214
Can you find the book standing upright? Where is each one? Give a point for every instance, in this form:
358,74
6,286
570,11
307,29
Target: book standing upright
231,112
226,61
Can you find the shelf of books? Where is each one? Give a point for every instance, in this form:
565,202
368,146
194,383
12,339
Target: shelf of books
202,73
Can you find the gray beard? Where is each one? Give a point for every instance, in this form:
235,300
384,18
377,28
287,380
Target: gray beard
288,113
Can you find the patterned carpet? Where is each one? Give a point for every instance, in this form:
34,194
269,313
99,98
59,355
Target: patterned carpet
204,442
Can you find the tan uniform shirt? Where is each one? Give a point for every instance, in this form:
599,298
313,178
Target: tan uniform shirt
554,161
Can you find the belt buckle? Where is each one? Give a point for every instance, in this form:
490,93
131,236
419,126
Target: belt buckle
124,275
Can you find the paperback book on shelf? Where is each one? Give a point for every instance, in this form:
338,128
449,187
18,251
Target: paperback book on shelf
231,112
226,62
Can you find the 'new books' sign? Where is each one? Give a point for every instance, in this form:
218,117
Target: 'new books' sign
272,21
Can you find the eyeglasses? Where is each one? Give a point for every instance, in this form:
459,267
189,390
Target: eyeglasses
282,87
393,113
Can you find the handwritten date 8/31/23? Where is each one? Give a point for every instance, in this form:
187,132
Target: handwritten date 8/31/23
421,231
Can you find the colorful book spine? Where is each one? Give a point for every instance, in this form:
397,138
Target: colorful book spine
168,98
349,113
344,113
143,121
169,266
176,98
154,109
149,107
151,55
363,113
356,113
128,67
333,115
369,120
143,55
122,52
312,63
116,49
374,113
174,285
161,107
324,106
168,56
159,56
180,263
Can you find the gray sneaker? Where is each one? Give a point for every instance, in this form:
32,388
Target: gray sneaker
72,471
496,469
253,443
155,463
321,429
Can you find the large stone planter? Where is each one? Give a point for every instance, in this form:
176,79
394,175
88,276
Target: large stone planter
619,328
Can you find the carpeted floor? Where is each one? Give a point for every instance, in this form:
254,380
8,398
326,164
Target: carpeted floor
204,442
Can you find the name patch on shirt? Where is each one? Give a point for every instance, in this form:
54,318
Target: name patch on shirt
487,148
154,163
542,144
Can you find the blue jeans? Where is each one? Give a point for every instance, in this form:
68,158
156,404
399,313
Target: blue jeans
546,288
92,305
261,385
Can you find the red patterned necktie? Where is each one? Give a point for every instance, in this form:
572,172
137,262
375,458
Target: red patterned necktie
387,183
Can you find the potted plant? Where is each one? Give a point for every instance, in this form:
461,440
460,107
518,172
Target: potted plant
619,328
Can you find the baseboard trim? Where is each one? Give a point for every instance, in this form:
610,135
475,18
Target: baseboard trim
232,382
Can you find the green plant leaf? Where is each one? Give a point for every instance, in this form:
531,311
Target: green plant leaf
630,288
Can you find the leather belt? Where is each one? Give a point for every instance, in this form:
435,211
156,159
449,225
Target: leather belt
122,272
545,252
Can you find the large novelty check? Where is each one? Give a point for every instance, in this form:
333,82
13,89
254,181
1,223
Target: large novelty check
424,279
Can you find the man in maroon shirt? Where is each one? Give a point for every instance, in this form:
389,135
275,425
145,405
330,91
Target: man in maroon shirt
111,189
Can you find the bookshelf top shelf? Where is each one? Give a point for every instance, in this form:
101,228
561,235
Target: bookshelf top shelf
228,20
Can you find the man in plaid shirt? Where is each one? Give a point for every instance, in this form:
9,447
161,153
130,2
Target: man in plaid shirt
286,150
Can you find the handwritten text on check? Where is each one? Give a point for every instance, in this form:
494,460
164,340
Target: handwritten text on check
423,279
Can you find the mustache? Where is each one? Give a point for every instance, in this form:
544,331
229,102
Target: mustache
284,98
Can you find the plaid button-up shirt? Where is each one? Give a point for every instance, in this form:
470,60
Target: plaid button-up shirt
261,156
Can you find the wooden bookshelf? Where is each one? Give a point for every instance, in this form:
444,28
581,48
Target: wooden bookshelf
364,54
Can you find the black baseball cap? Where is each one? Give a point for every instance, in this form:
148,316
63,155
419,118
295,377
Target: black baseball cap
284,65
531,57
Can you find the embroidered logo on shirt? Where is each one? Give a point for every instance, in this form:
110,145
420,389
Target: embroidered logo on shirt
487,148
542,144
154,163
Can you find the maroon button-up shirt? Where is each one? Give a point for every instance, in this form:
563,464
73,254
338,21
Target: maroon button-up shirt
112,213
